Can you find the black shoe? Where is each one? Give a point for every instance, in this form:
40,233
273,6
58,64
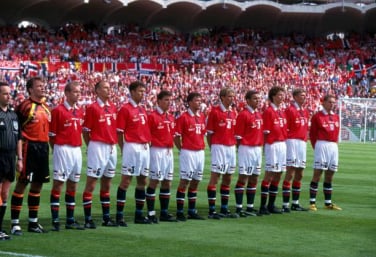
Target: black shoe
74,225
55,226
274,210
228,214
263,211
180,217
141,220
109,223
194,216
242,213
297,207
16,230
214,216
285,209
167,217
4,236
90,224
153,219
251,212
121,223
35,227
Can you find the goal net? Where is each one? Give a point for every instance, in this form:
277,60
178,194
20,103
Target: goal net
358,119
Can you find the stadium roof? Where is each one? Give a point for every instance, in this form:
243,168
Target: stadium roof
280,17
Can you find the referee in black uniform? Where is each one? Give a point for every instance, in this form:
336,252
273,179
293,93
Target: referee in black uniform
10,147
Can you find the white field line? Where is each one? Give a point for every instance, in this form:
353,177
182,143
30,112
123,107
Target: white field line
19,254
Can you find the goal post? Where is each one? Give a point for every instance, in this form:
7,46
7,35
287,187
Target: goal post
358,119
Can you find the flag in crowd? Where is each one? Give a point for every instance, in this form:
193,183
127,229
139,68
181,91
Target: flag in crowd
32,68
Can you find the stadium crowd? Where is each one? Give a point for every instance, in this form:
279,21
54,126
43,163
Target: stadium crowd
204,62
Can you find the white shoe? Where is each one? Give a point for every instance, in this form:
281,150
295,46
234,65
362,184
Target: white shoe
4,236
16,230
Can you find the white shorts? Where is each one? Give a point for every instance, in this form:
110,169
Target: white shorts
296,153
223,159
326,156
136,159
192,164
250,159
161,163
67,163
275,157
101,160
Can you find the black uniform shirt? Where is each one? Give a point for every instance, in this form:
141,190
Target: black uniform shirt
10,131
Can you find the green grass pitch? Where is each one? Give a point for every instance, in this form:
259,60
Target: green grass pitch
351,232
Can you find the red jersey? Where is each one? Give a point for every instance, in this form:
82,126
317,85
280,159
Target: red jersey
275,124
100,120
191,127
249,127
34,118
324,126
162,128
133,121
297,122
221,124
66,124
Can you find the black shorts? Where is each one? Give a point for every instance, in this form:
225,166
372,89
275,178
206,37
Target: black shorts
36,162
7,165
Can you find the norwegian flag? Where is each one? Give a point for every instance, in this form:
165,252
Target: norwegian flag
147,69
29,68
92,66
123,66
44,68
110,66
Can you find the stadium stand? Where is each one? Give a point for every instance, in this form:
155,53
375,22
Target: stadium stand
204,60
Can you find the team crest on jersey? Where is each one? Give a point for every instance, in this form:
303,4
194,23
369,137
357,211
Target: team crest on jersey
160,125
192,128
15,125
135,118
222,123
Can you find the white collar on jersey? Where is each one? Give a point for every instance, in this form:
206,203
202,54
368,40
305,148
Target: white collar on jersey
132,102
297,106
223,108
159,110
326,113
69,107
190,112
275,106
101,103
250,109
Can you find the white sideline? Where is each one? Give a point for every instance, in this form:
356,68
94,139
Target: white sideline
19,254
